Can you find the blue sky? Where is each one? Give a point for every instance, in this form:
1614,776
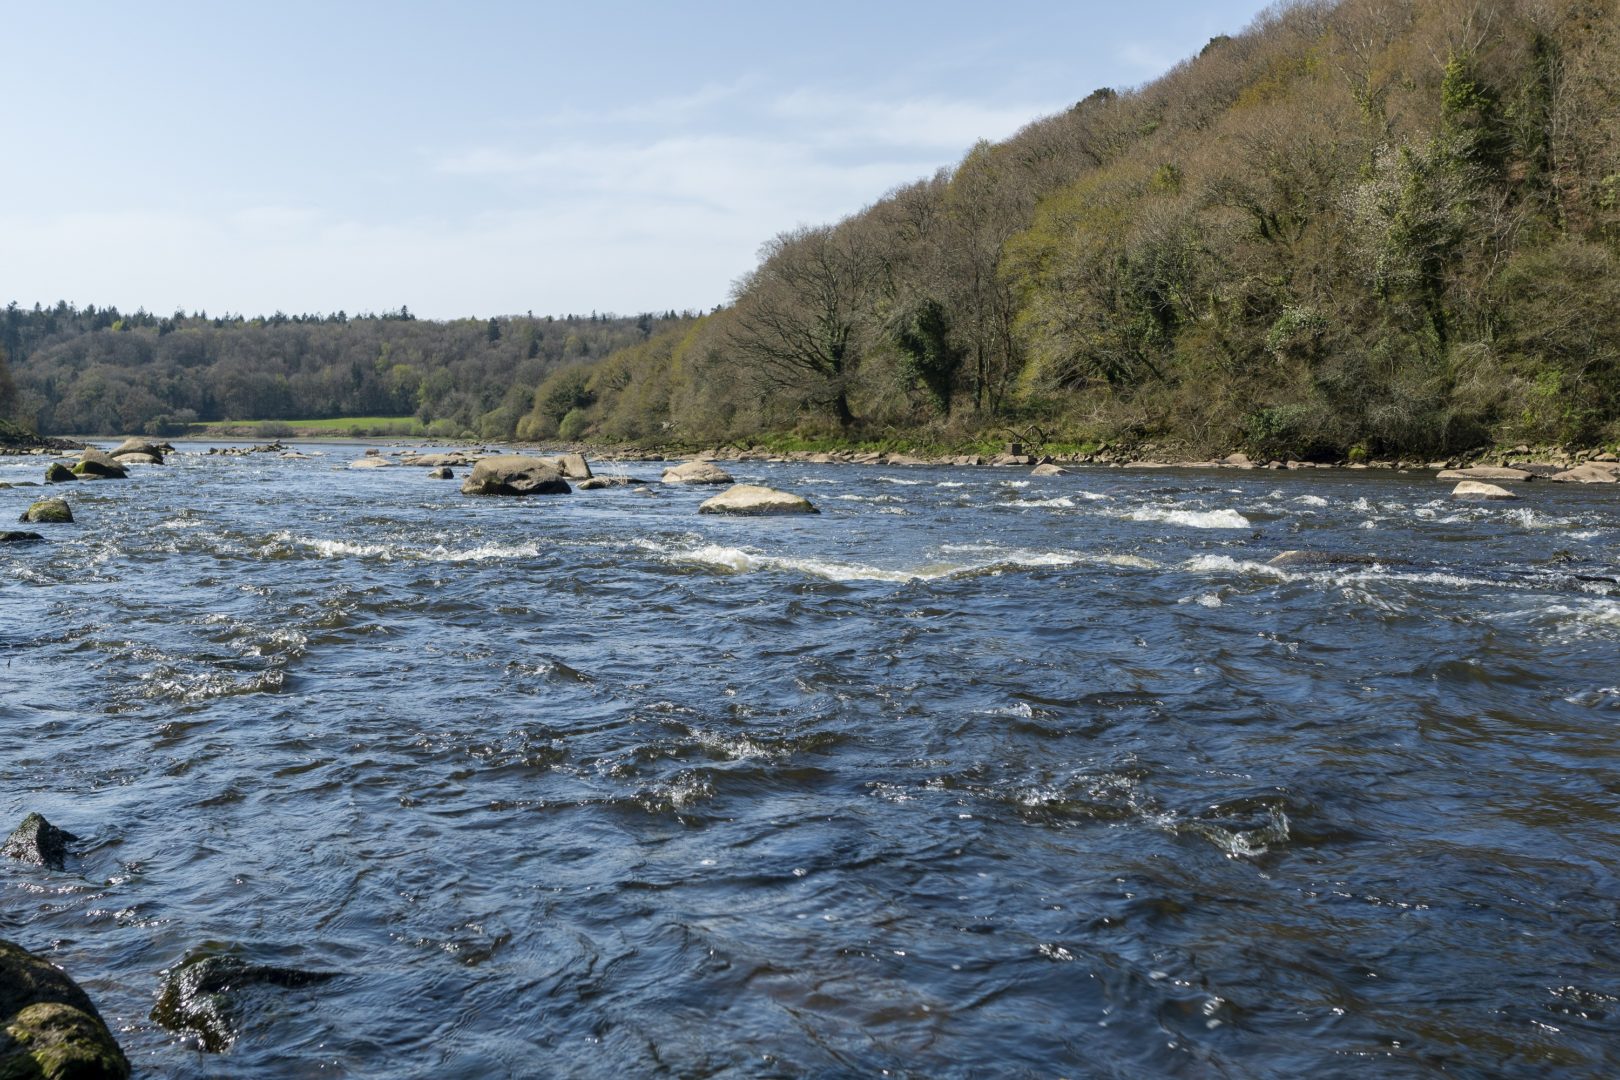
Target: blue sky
494,158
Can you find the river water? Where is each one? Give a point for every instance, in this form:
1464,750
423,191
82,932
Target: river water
973,774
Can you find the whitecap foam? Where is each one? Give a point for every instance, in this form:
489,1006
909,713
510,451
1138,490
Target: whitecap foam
740,561
1226,564
1311,500
1192,519
899,480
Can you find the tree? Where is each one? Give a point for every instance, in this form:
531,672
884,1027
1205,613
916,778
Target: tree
801,316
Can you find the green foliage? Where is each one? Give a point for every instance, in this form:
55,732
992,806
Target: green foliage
928,355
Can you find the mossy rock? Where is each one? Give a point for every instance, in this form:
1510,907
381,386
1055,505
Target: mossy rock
59,473
47,512
49,1029
94,465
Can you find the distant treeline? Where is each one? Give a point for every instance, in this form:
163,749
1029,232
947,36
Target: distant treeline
1371,226
97,370
1358,227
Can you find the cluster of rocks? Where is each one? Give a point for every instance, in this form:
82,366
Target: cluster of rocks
49,1028
243,451
519,474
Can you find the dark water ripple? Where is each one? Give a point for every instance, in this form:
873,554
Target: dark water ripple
973,775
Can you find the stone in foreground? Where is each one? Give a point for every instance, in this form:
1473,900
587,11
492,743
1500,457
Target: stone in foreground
697,472
753,499
38,842
203,996
515,474
1473,489
47,512
49,1029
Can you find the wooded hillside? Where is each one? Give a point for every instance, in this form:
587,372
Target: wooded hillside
1372,226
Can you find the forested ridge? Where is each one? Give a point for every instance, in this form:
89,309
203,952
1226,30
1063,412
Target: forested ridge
1365,227
98,371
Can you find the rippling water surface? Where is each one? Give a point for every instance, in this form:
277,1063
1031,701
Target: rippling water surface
974,774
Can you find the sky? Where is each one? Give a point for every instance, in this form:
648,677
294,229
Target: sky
490,158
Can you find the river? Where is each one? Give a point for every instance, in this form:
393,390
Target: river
972,774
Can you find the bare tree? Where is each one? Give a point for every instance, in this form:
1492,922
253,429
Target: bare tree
802,315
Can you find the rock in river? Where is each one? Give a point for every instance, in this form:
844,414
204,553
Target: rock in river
203,995
13,536
697,472
47,512
596,483
443,472
1473,489
39,842
515,474
58,473
753,499
1590,473
1484,472
49,1029
94,465
572,466
1049,469
138,449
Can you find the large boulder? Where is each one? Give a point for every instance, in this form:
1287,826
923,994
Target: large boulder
1049,469
1473,489
136,447
47,512
58,473
442,472
94,465
49,1028
571,466
515,474
371,461
38,842
204,995
697,472
1590,473
754,499
1485,472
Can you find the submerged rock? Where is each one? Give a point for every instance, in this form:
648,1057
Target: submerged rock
371,461
1473,489
38,842
515,474
443,472
49,1028
436,461
203,996
1485,472
596,483
47,512
12,536
58,473
1322,558
94,465
754,499
697,472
